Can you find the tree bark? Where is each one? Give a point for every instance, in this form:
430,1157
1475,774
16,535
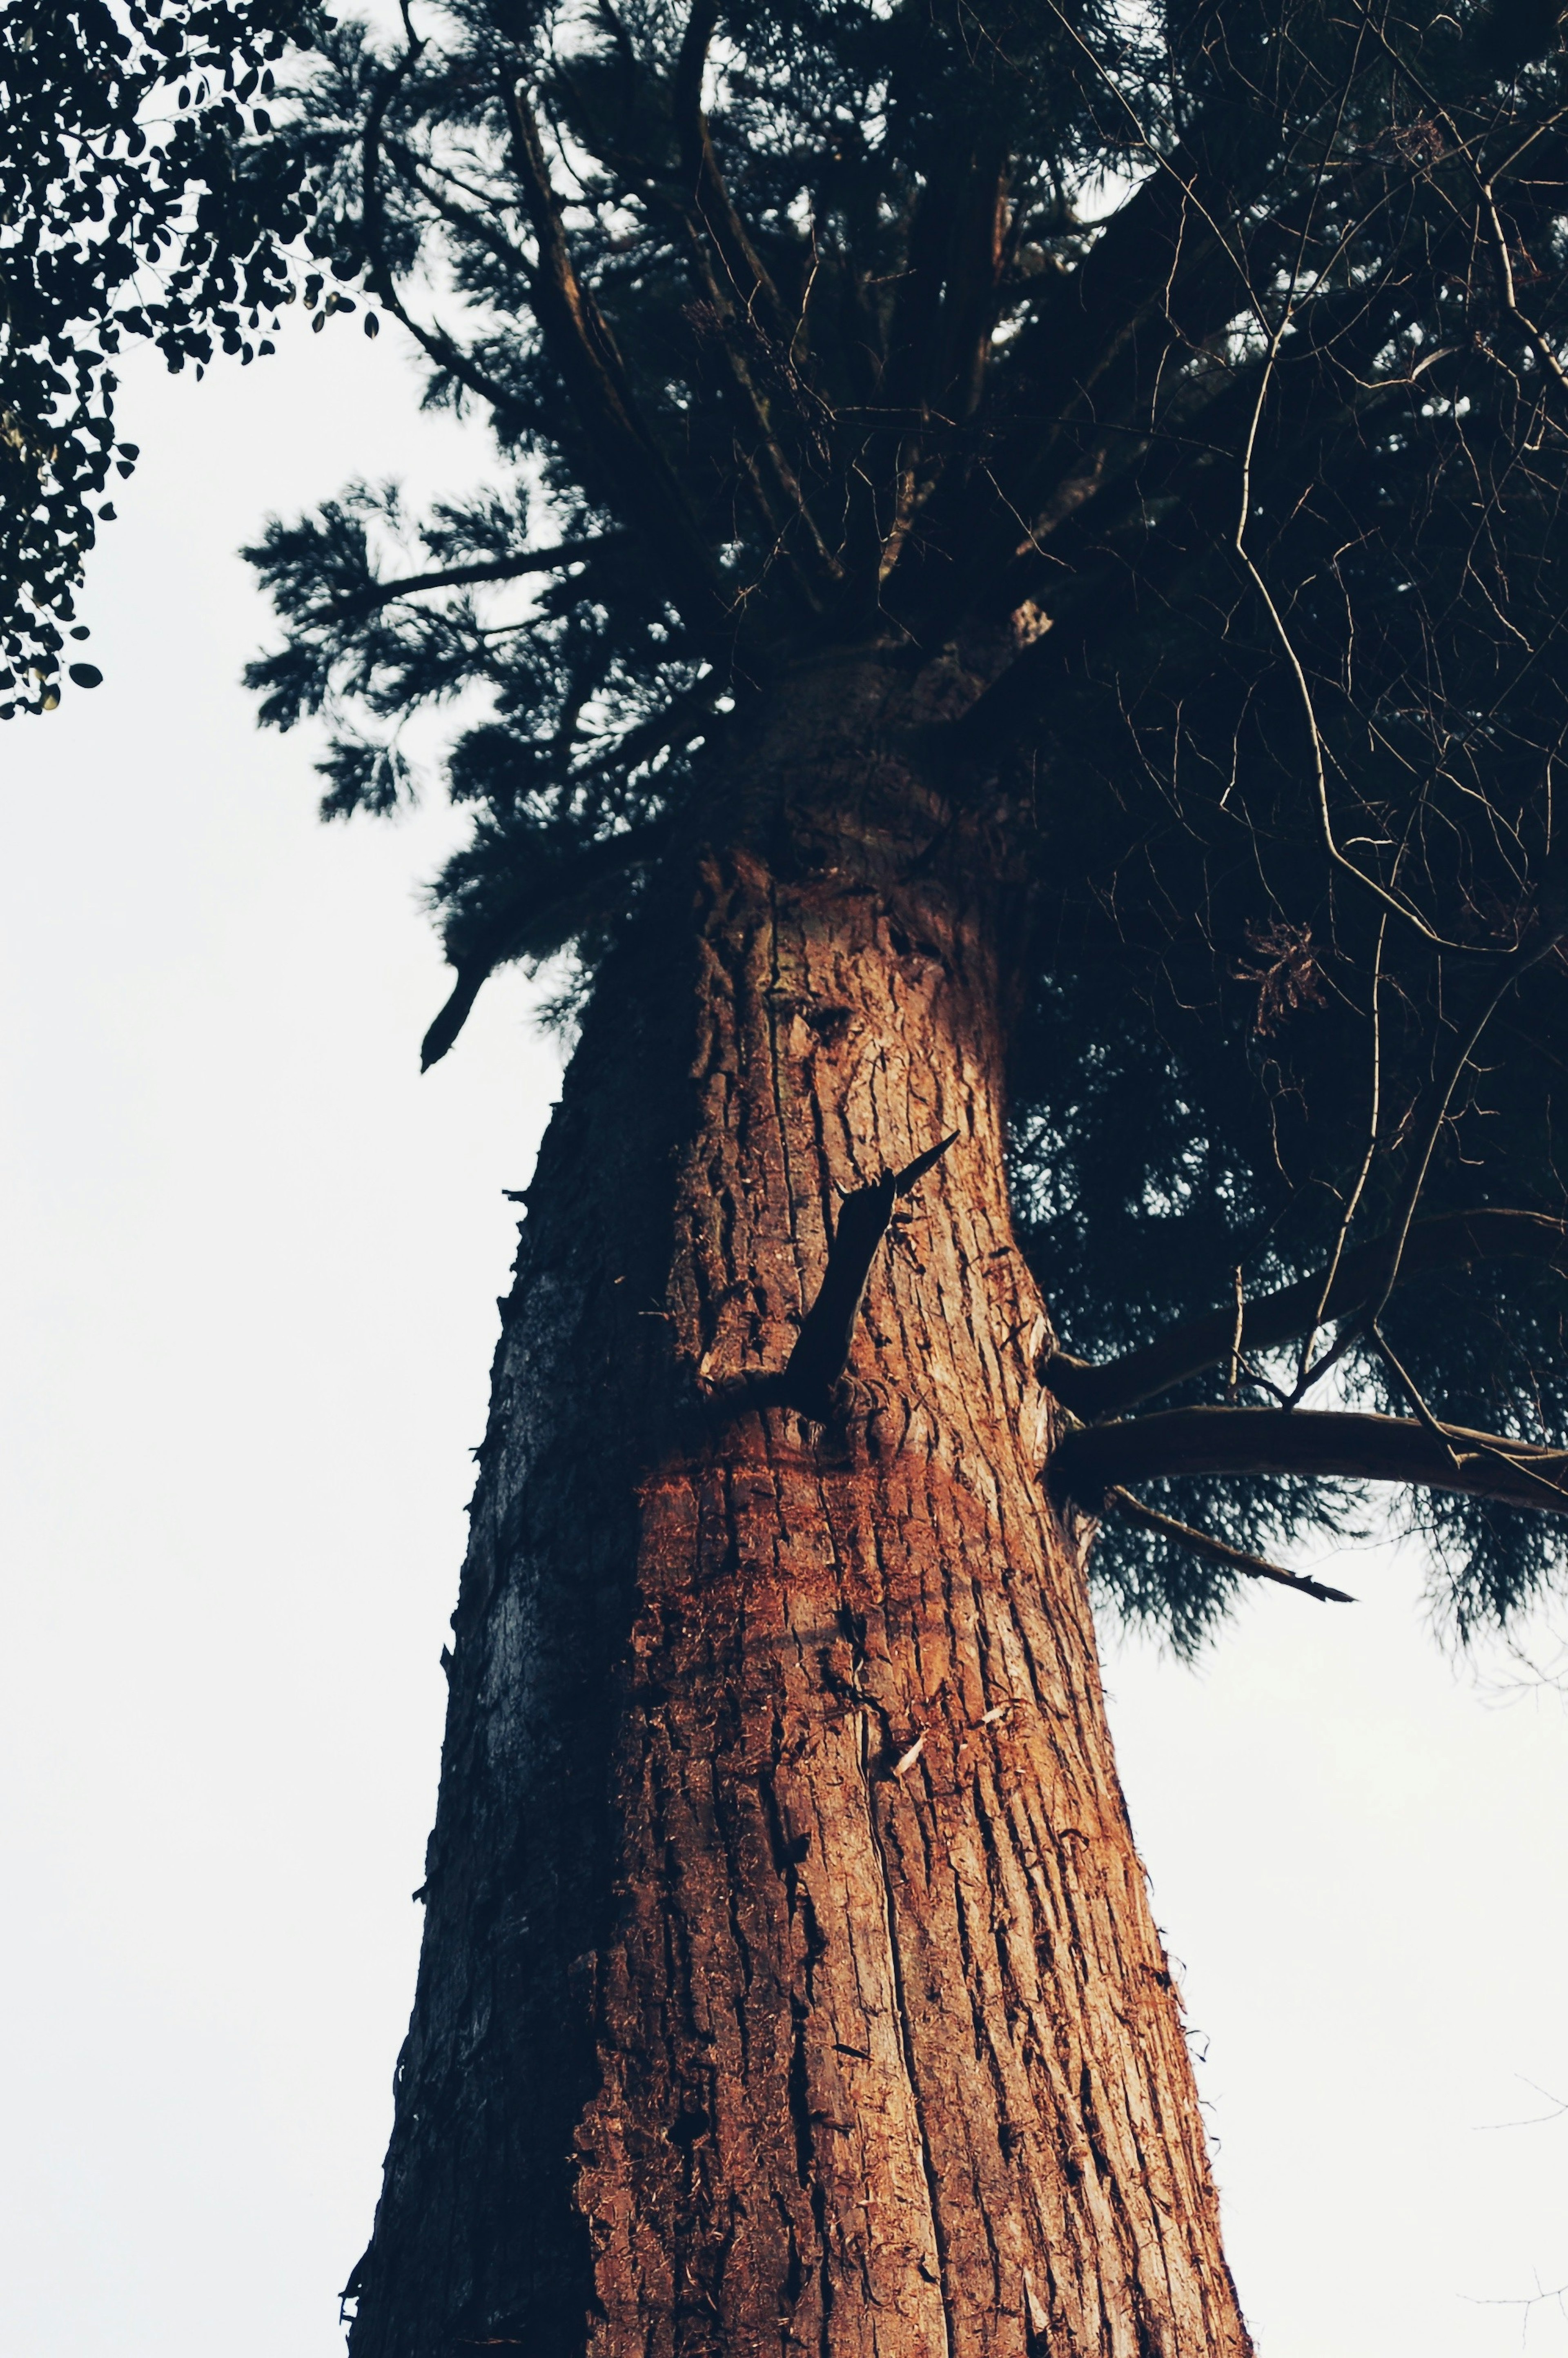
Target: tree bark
789,1981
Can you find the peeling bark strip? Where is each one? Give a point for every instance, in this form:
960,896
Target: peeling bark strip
789,1983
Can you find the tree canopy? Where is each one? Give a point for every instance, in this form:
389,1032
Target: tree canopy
1186,386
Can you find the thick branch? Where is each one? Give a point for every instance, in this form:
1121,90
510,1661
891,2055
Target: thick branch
1204,1544
1321,1446
580,343
821,1352
703,183
1450,1241
1091,356
973,283
944,306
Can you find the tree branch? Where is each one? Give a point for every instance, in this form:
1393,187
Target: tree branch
580,343
1451,1240
821,1351
770,457
457,577
1398,1240
1161,272
1256,1567
1319,1444
744,296
979,240
944,307
434,341
703,183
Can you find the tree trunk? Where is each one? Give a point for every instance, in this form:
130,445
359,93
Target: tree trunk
789,1981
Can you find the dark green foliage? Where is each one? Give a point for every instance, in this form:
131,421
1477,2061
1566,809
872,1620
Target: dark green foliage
1192,383
1270,434
127,209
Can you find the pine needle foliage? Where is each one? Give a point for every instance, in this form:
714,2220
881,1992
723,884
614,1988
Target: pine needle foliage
1196,377
1193,380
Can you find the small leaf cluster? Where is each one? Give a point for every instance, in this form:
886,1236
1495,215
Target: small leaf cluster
126,210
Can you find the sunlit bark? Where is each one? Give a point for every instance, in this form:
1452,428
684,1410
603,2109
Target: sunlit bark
789,1979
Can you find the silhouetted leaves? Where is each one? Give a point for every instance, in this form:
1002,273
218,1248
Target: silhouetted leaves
125,210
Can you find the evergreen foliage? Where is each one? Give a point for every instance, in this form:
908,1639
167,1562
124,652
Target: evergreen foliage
1194,378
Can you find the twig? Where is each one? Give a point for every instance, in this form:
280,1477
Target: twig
1305,1371
1256,1567
1520,963
1233,1371
1411,1391
1448,1240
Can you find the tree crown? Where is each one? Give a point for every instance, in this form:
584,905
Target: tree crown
1190,382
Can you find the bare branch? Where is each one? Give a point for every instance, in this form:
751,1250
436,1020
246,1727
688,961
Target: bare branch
1452,1240
1204,1544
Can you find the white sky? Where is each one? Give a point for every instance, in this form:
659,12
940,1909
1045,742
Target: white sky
249,1262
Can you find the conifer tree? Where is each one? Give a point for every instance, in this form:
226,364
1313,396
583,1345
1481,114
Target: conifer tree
1020,618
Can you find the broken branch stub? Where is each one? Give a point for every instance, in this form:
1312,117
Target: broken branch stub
821,1351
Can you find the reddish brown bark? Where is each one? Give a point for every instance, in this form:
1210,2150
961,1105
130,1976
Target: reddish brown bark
789,1980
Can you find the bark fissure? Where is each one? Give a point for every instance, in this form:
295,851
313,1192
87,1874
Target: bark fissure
911,2069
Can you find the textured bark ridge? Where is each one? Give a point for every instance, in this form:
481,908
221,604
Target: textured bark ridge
789,1981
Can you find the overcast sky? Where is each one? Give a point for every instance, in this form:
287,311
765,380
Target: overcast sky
250,1262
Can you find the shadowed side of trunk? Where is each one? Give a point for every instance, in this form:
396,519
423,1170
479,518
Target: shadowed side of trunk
788,1981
